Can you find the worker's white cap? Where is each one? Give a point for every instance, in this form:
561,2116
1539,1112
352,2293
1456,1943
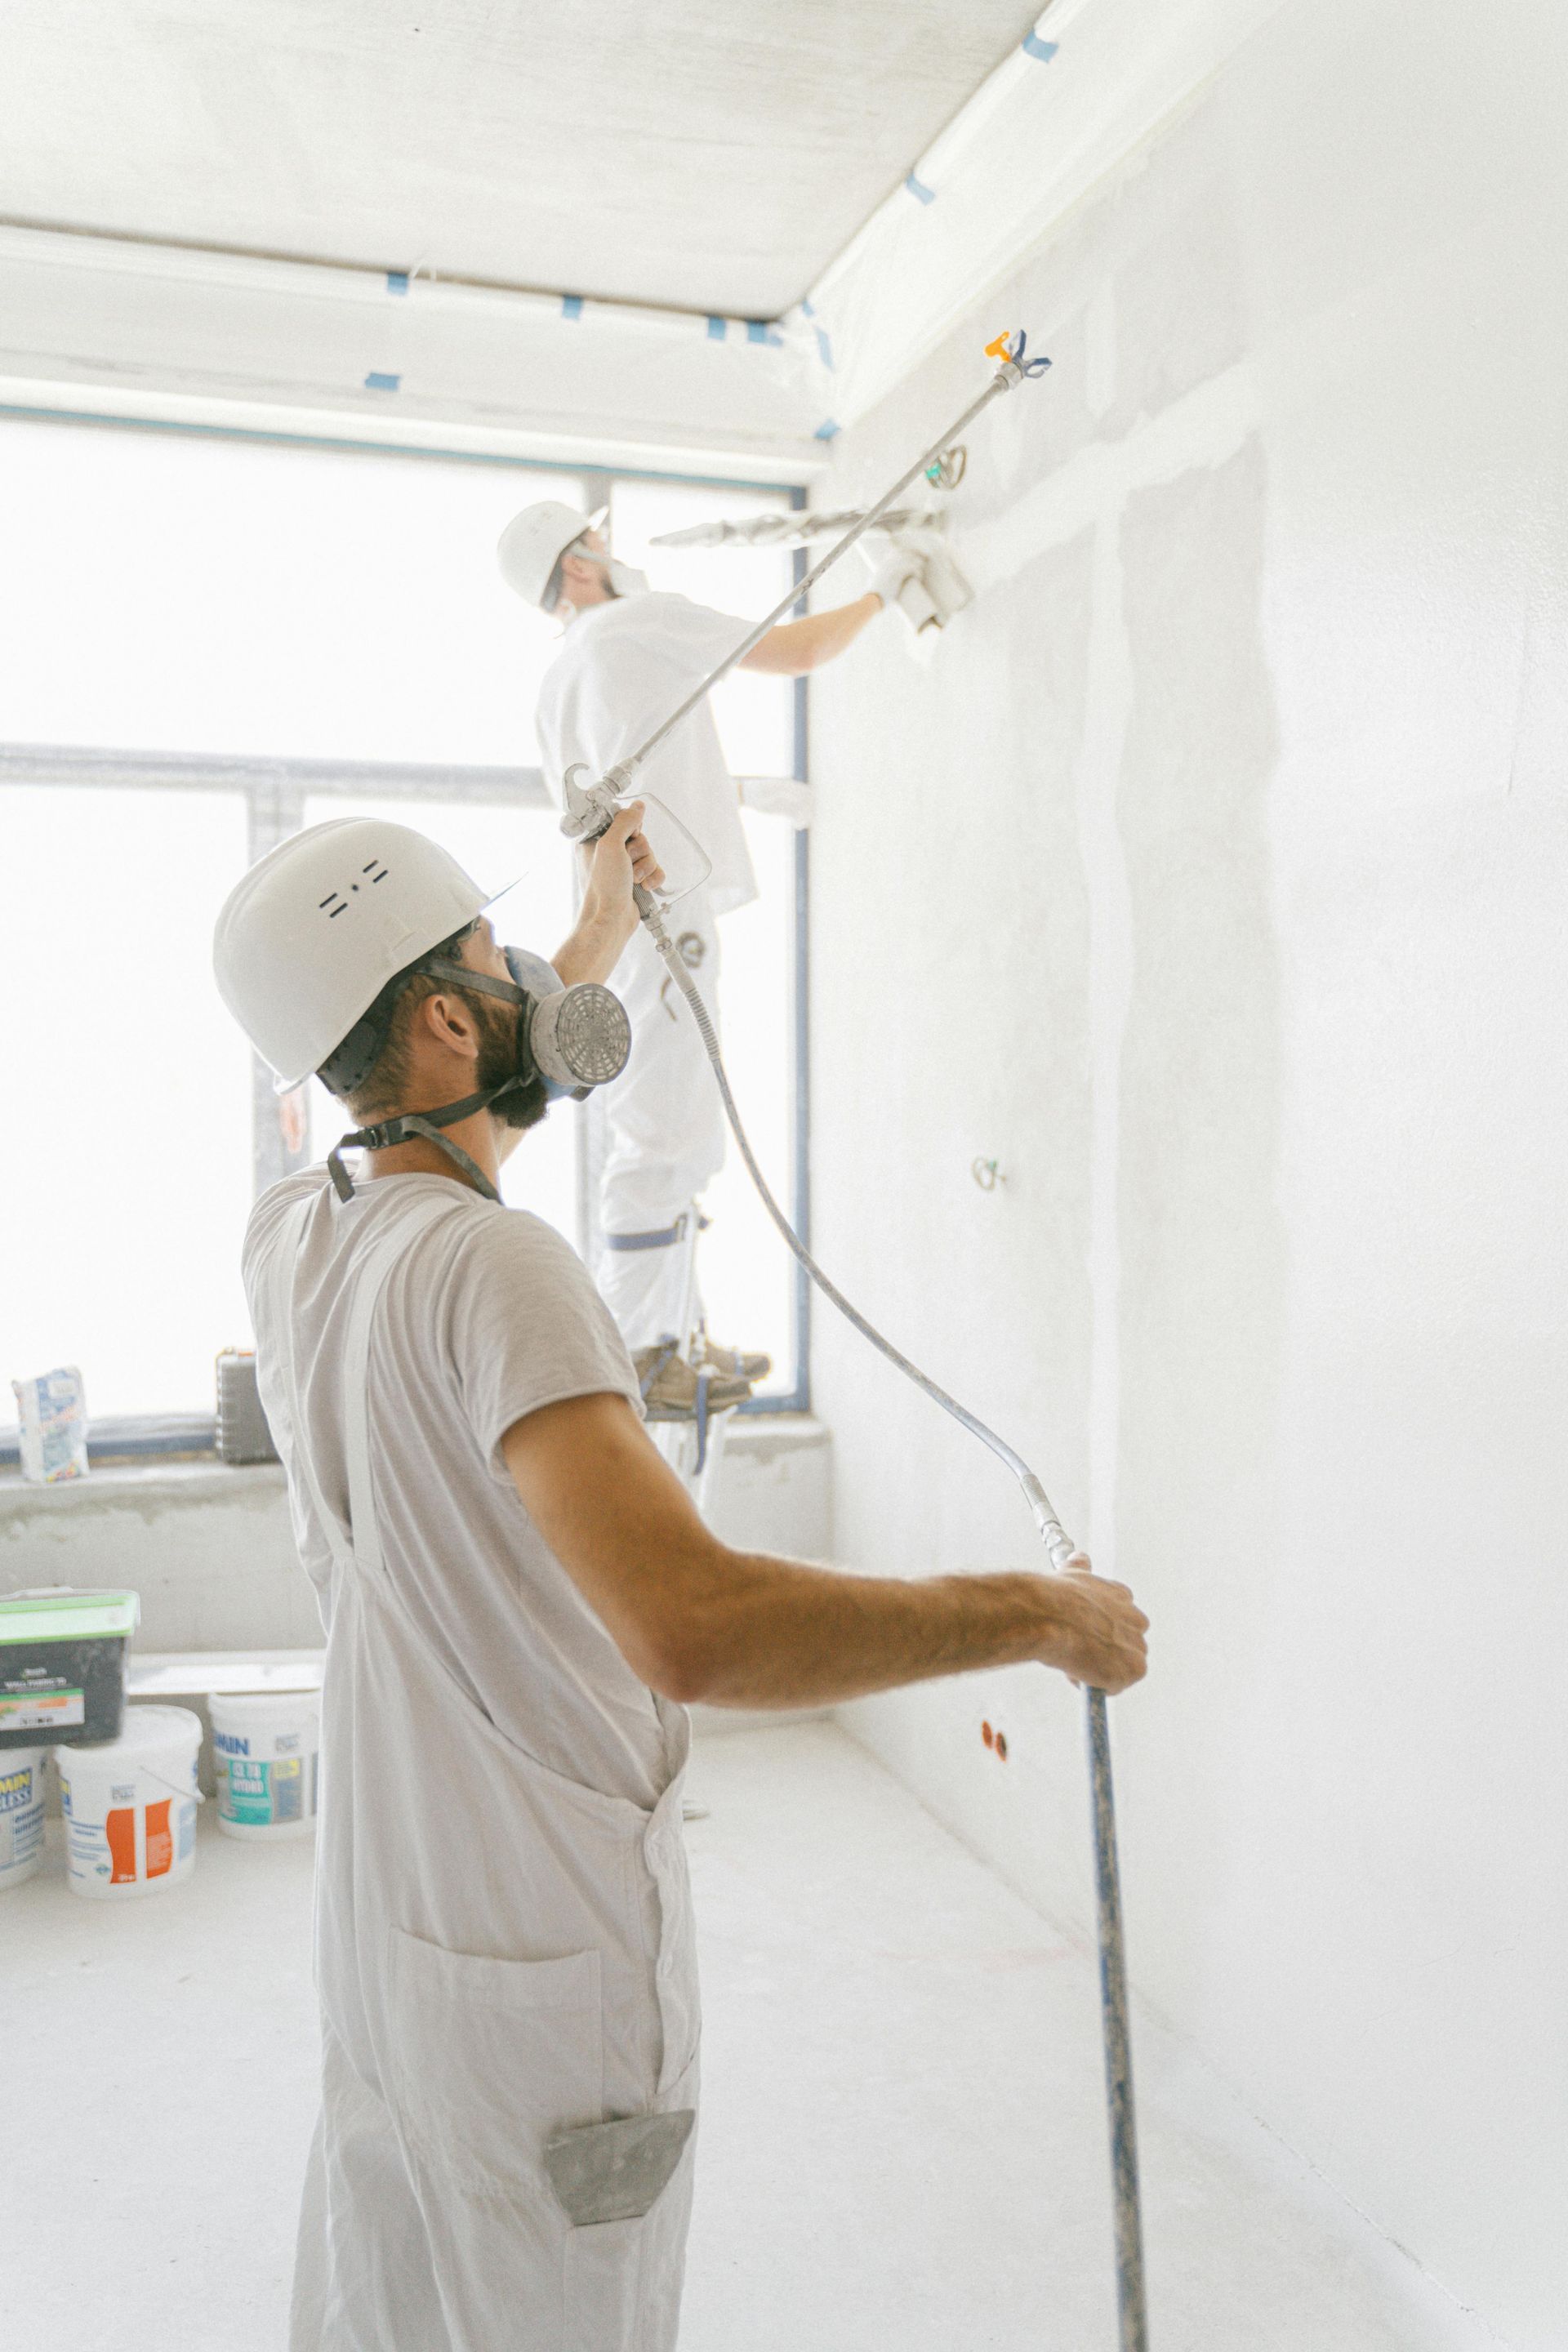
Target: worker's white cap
308,940
534,542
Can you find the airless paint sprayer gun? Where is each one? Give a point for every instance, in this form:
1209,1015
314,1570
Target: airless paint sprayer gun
590,807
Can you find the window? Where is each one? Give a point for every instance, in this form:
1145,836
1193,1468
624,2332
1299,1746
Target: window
128,1177
175,593
211,641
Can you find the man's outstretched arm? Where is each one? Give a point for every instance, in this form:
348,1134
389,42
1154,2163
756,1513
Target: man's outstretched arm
793,647
697,1621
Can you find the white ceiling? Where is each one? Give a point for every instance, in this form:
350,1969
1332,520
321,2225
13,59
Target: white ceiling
710,154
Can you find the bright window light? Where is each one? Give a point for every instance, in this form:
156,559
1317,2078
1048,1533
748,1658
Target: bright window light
181,594
217,603
128,1180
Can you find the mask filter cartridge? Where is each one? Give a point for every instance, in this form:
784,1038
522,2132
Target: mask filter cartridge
575,1038
580,1036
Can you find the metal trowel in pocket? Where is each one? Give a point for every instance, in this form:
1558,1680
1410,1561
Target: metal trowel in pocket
618,2171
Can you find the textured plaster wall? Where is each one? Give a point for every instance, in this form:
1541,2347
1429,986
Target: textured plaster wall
1212,875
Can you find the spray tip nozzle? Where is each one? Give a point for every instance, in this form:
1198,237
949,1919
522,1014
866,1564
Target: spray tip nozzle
1010,348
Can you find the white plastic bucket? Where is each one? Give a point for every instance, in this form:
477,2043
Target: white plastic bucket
267,1748
130,1806
21,1813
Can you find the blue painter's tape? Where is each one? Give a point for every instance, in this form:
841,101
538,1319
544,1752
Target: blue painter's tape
824,347
397,281
758,330
918,189
570,305
1035,47
717,329
826,430
806,310
376,381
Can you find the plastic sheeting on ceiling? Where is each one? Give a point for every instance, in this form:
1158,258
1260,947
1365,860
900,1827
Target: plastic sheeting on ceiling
416,349
1091,79
693,152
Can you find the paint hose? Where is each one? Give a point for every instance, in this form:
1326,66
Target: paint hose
1129,2284
589,811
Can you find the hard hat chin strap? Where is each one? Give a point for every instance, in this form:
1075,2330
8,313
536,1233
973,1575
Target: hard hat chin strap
566,1041
405,1124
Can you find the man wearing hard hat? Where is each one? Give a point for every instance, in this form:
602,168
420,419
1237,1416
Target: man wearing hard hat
519,1597
628,656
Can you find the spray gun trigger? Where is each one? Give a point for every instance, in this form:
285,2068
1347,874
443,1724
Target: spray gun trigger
589,807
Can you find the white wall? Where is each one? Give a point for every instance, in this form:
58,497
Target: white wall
1211,876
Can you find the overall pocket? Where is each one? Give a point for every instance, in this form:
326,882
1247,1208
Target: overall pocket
492,2059
623,2278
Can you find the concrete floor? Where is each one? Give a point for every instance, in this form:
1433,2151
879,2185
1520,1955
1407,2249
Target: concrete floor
903,2143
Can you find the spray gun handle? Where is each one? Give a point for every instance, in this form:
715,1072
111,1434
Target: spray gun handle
590,808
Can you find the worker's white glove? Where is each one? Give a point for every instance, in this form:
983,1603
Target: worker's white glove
892,573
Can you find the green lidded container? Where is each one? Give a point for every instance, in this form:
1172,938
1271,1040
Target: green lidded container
62,1665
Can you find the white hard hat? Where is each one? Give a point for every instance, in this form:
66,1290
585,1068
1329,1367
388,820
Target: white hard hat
534,542
308,940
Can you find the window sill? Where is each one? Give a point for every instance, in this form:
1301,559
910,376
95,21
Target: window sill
167,1486
135,1485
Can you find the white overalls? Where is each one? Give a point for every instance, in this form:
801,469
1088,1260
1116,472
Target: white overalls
621,669
502,1952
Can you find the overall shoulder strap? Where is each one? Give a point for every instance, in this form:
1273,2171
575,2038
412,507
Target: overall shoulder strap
291,1240
357,1545
402,1227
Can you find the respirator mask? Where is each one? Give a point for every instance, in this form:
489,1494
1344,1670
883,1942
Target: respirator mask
625,579
567,1041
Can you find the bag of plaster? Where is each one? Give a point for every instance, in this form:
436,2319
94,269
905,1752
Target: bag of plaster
52,1410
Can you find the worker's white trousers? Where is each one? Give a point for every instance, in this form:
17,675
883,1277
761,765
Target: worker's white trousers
502,1955
664,1134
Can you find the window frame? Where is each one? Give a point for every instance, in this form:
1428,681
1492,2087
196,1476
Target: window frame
275,790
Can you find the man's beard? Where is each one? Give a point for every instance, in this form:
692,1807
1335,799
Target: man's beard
525,1104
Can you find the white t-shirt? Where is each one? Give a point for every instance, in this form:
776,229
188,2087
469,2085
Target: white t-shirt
489,1315
622,667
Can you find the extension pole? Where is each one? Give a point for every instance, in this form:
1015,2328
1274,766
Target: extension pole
1131,2303
1007,374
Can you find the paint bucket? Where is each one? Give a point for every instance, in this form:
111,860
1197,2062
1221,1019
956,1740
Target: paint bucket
21,1813
62,1665
267,1748
131,1806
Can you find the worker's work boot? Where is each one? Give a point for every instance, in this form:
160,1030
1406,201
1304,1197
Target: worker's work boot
673,1389
711,1357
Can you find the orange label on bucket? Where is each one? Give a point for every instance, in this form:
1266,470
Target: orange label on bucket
119,1829
160,1845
